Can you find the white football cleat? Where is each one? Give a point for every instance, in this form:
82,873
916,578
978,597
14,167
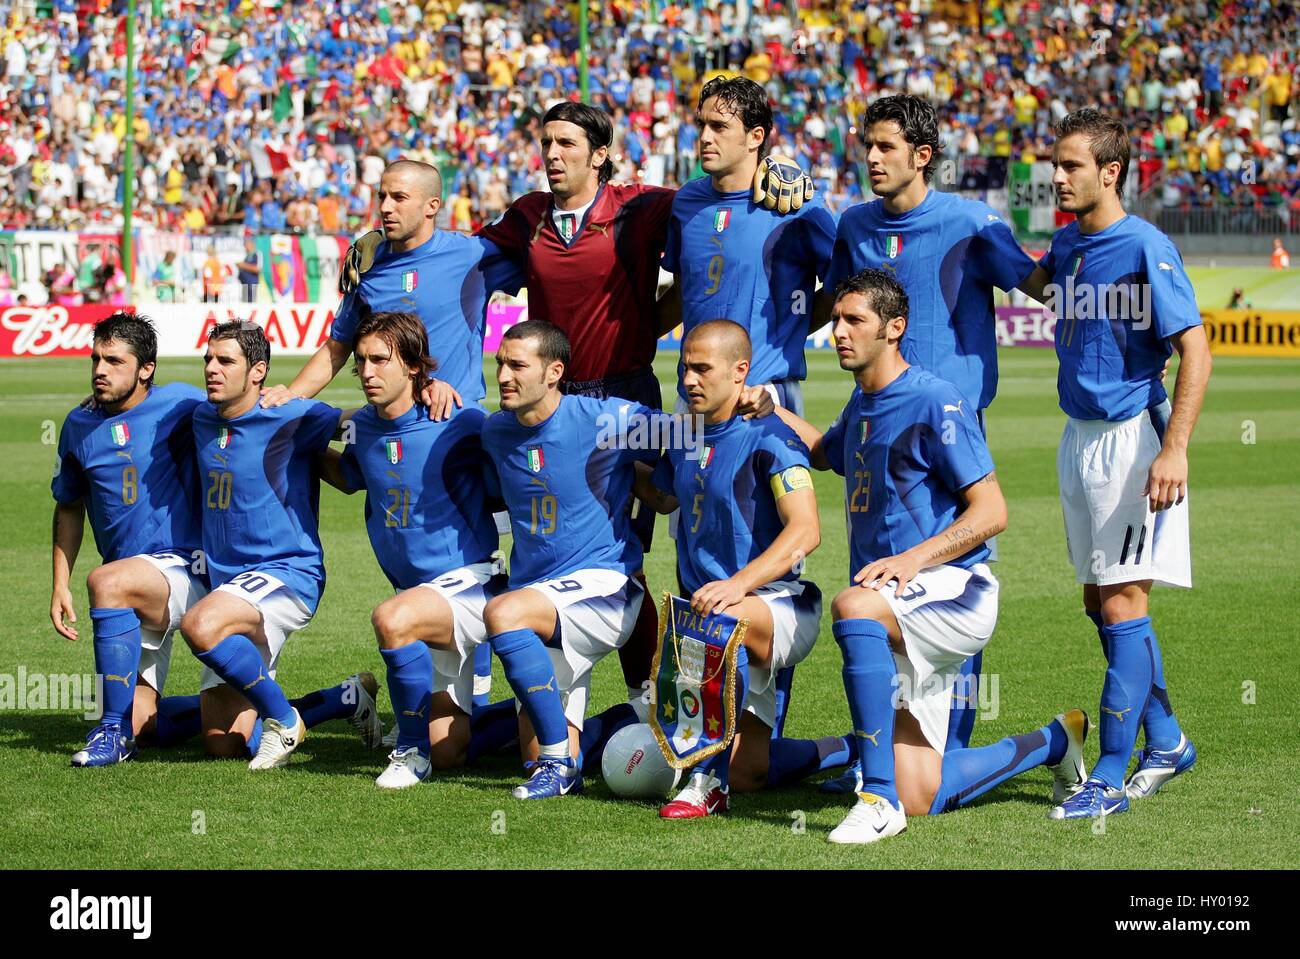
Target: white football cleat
406,767
278,743
871,820
1069,775
365,719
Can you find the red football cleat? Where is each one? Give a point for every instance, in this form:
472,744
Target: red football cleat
704,795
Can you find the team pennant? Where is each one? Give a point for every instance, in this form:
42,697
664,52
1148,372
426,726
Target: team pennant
224,436
894,246
394,450
694,670
410,279
121,433
535,459
721,219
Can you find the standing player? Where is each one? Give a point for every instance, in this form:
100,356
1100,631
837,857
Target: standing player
749,520
431,527
260,499
443,278
1122,302
922,501
735,259
565,472
948,253
128,461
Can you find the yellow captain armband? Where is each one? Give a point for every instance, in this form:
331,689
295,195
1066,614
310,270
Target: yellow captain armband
791,479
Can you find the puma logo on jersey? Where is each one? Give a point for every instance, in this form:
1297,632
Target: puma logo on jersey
601,228
868,736
550,686
544,484
124,454
949,408
260,676
124,680
1118,715
1165,266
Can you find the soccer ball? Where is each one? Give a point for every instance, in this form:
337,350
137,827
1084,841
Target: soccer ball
634,767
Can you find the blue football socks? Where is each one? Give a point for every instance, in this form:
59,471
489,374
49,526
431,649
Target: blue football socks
794,760
968,773
492,728
869,673
236,660
117,657
529,672
410,687
1129,678
176,721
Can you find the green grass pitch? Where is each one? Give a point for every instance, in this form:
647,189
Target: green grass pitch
1229,653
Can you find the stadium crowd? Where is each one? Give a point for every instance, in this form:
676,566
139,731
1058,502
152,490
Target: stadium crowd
279,115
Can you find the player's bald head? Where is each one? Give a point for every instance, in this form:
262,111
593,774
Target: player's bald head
724,338
421,176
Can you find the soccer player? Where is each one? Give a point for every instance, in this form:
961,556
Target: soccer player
922,499
566,467
128,462
948,252
430,524
749,520
1122,302
734,258
260,497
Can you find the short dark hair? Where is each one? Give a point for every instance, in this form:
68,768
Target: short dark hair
594,121
136,331
917,121
405,335
552,344
250,337
746,100
885,294
1107,139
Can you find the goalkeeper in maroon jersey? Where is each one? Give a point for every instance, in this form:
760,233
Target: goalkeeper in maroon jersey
590,250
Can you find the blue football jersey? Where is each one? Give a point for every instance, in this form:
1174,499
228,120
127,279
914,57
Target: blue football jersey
905,452
260,492
948,253
426,505
1118,296
737,260
135,472
724,488
566,483
446,282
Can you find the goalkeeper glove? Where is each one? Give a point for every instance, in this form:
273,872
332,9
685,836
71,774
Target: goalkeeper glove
359,258
781,185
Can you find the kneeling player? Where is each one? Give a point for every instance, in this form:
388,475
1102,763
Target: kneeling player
749,517
432,531
257,473
128,462
922,499
566,472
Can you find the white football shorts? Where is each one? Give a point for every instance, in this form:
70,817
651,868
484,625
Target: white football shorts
597,609
947,615
467,591
184,589
1110,532
283,614
796,609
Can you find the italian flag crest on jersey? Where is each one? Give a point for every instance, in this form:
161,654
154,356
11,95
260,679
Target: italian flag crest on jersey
893,246
224,437
1077,265
410,279
120,432
535,459
721,219
393,448
706,456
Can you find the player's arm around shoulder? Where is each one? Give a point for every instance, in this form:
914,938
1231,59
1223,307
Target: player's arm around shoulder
809,435
320,368
1167,479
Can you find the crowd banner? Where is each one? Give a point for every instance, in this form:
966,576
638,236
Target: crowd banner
1274,333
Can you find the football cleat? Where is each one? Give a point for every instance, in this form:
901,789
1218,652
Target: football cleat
1157,766
550,777
365,719
847,782
1069,775
406,767
278,743
704,795
1093,800
106,745
872,819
